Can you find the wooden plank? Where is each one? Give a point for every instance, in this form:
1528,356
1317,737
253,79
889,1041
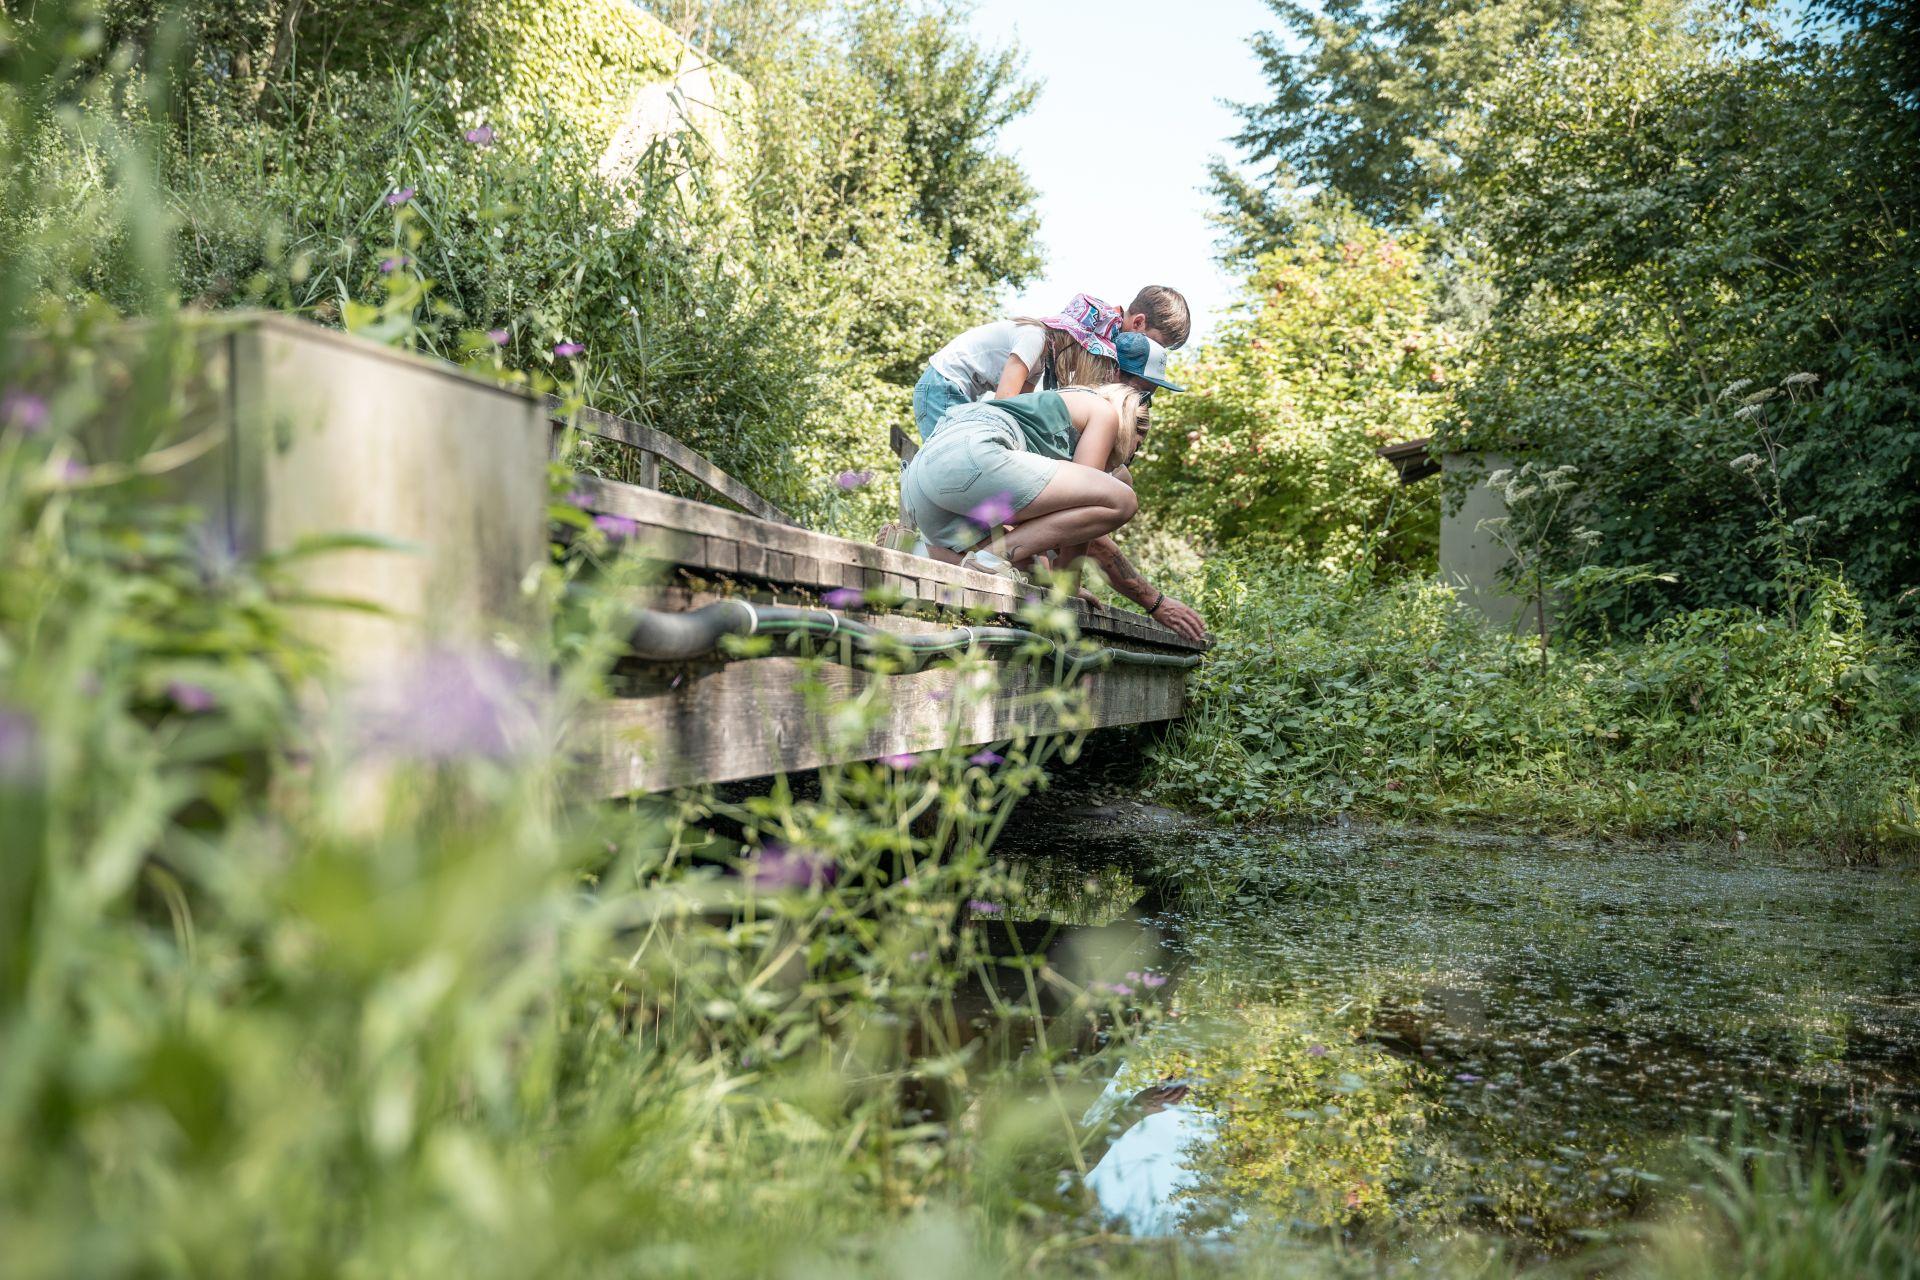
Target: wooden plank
903,447
717,722
661,446
818,562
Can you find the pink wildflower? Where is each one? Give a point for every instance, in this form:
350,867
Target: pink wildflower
993,512
190,697
481,136
843,598
616,527
24,410
399,196
986,758
566,349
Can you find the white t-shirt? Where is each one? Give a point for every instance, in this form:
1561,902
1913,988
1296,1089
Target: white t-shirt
974,360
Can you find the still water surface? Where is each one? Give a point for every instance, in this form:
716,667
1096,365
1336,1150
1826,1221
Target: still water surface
1414,1032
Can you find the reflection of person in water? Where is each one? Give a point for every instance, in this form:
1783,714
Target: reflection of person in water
1138,1157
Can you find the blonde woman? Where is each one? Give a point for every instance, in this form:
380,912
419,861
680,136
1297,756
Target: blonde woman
1040,462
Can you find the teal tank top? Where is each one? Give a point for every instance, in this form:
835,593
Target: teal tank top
1043,420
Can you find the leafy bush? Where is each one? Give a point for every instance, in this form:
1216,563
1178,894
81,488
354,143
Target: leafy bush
1336,351
1388,699
1638,206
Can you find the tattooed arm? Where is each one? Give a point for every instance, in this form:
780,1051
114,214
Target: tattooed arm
1129,582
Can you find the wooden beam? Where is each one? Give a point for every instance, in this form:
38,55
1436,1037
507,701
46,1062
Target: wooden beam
720,722
902,446
707,539
664,447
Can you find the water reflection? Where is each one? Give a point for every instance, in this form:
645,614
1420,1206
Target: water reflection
1383,1033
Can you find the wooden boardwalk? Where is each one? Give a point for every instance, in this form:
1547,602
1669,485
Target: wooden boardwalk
324,434
715,720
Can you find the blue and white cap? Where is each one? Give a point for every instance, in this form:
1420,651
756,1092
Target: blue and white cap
1142,357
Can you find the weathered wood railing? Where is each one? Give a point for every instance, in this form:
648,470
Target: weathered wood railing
652,447
321,434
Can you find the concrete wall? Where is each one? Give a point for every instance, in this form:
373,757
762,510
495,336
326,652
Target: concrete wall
1470,558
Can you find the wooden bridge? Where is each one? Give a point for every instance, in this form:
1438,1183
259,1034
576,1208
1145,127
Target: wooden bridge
325,434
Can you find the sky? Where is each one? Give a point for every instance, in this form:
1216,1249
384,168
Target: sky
1130,112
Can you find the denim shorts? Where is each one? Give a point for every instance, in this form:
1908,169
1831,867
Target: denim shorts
933,395
973,476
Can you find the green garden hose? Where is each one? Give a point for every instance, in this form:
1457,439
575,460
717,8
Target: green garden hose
659,636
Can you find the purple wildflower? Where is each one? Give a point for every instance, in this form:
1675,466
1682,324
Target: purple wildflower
399,196
900,760
985,758
1150,980
938,695
1316,1051
393,264
994,511
19,746
190,697
499,337
1113,988
1467,1077
779,867
580,498
853,479
616,527
563,350
980,907
446,705
23,410
843,598
480,136
74,471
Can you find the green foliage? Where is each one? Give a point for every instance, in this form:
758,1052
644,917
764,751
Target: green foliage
1659,202
1361,95
1335,352
1388,700
769,295
1699,220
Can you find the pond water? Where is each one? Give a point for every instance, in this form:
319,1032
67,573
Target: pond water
1375,1031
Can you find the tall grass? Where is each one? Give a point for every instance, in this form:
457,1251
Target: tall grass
306,977
1328,694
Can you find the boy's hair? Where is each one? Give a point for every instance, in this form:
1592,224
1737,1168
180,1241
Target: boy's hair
1165,310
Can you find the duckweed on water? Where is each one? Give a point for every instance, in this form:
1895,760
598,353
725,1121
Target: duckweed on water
1394,1037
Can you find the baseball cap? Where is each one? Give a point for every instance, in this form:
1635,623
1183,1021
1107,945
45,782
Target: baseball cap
1142,357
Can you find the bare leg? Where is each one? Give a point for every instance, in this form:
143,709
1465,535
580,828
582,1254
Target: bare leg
1078,505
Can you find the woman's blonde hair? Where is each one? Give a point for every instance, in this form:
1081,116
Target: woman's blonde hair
1132,409
1072,364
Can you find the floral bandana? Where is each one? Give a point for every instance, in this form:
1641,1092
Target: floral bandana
1090,322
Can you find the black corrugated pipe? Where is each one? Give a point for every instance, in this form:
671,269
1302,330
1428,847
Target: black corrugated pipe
658,636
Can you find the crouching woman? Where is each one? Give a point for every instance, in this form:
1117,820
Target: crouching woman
1039,462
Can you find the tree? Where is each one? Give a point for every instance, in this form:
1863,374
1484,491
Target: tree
1361,108
1334,352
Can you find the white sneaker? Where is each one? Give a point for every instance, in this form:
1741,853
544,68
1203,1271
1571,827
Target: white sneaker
984,561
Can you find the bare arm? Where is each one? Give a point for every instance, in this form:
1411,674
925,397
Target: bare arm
1013,379
1132,584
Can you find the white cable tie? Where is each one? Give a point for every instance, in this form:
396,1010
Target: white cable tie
753,614
971,638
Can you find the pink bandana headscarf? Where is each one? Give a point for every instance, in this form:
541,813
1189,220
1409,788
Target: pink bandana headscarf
1090,322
